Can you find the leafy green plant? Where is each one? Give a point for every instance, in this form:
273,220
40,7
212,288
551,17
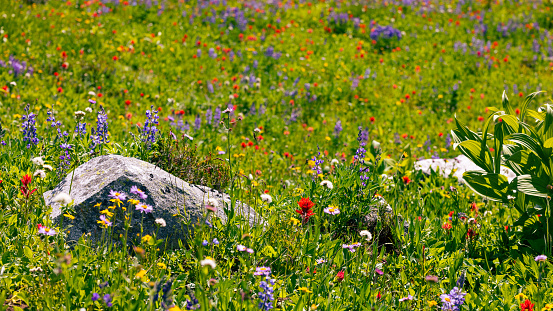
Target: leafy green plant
522,140
181,159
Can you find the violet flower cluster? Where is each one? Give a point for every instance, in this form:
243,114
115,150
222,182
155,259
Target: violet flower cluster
29,128
385,32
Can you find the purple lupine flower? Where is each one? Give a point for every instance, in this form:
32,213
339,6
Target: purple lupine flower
209,87
266,296
100,136
197,122
95,296
385,32
262,109
192,303
212,53
252,109
57,124
217,117
150,126
428,143
337,128
29,128
107,300
447,141
199,53
397,139
208,116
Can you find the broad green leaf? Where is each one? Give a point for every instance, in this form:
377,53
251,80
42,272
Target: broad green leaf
506,105
28,252
464,133
526,102
476,154
524,162
493,186
532,185
546,130
527,142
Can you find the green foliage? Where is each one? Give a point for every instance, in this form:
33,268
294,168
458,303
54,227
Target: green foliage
181,159
524,145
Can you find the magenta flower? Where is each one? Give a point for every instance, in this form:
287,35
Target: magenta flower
541,258
332,210
138,192
117,195
46,231
266,271
143,208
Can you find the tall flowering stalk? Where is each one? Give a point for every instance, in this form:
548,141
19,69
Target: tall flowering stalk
266,296
150,126
100,135
29,128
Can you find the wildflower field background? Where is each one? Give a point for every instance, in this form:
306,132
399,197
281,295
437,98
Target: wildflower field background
311,112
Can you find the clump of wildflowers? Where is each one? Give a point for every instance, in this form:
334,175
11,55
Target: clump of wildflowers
385,32
454,300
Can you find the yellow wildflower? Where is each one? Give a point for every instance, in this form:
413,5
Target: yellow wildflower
161,265
140,274
305,290
295,221
69,216
106,212
521,296
133,201
432,303
146,238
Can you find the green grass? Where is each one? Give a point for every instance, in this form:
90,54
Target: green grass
132,58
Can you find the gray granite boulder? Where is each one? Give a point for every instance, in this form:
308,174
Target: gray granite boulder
180,204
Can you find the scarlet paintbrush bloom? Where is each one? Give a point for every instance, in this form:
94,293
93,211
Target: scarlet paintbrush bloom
527,306
306,209
340,276
406,180
25,191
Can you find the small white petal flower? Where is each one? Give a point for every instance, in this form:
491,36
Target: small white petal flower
208,261
63,198
213,202
367,234
79,114
88,109
327,183
40,173
334,162
266,198
38,161
48,167
161,222
13,83
487,213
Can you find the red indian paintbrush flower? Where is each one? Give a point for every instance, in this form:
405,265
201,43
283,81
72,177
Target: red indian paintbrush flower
340,276
25,191
306,209
527,306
